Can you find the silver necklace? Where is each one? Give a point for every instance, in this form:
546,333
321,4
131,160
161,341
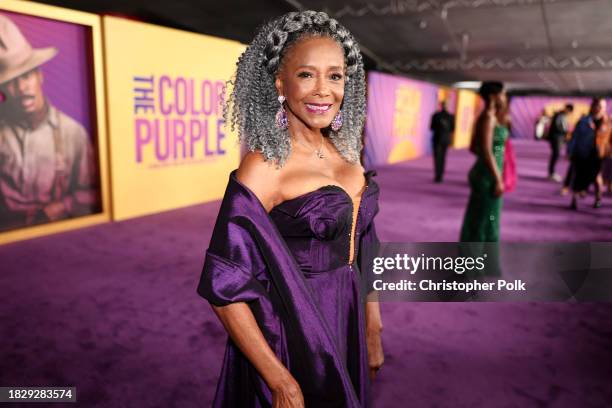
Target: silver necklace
318,152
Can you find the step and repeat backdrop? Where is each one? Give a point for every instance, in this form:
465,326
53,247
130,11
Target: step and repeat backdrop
123,119
399,117
169,145
468,106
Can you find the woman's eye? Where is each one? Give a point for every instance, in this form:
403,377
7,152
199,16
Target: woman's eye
304,75
336,77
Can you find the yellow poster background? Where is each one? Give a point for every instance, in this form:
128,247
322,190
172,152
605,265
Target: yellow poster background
443,94
465,117
405,120
190,65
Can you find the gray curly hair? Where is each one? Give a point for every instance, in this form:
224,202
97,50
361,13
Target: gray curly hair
253,103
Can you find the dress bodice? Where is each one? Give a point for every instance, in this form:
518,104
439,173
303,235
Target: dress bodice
500,135
317,225
310,312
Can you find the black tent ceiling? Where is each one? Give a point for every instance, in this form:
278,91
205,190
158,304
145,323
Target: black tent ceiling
557,46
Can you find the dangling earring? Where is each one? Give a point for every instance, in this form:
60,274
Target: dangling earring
337,122
282,122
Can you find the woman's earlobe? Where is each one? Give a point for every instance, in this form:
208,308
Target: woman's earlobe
278,84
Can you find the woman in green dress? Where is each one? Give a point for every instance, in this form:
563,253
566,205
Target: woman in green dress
481,220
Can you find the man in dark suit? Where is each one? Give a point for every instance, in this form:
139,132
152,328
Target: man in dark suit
442,125
557,133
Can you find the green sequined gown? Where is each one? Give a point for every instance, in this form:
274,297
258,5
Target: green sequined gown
481,220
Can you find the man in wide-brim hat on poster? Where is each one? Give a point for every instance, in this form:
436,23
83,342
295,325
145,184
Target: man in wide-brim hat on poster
47,166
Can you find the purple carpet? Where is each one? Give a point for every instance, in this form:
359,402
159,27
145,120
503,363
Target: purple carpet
113,309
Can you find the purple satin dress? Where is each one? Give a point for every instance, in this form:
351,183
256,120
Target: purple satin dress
291,267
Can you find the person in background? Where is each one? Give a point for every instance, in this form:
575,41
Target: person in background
584,151
569,175
606,165
603,142
442,125
557,134
482,216
542,125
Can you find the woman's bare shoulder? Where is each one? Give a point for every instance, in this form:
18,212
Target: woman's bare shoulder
260,176
487,118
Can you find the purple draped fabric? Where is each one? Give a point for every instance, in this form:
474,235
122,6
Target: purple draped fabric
509,172
291,268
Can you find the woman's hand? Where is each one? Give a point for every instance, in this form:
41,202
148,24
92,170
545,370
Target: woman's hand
287,393
240,323
376,357
499,188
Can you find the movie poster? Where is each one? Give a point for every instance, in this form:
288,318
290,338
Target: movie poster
49,159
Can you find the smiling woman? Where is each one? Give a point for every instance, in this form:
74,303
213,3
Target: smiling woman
266,59
312,77
295,230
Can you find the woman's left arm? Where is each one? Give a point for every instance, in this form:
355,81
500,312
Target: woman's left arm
374,327
369,247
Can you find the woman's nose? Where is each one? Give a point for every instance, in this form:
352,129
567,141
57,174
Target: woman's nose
321,88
